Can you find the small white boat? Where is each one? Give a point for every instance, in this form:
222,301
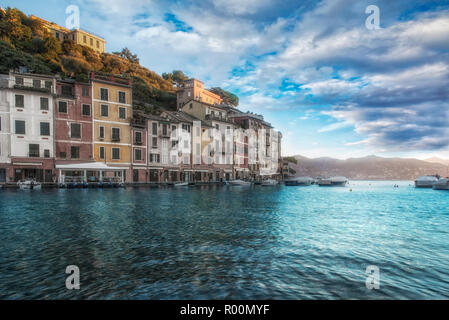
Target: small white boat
269,182
425,181
239,183
182,184
441,184
29,185
333,182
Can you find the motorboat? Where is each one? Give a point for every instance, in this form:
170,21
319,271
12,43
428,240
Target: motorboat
425,181
333,182
182,184
239,183
441,184
269,182
300,181
29,185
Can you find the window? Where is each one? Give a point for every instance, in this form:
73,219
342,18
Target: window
46,153
102,155
75,152
121,97
19,81
186,127
104,112
122,113
48,84
62,155
75,131
115,134
164,129
115,153
86,110
154,142
45,129
66,90
104,94
0,123
36,83
44,103
154,129
101,134
155,158
62,107
20,127
20,101
138,136
91,41
198,133
138,155
85,91
33,150
98,44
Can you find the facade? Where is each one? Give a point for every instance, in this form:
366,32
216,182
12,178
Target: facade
193,89
112,114
29,144
79,36
139,136
73,123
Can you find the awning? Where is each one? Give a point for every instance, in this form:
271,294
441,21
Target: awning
37,164
92,166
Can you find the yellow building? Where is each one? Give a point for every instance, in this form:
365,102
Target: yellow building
112,114
79,36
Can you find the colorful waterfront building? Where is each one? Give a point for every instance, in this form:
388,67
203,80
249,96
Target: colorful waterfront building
73,125
27,104
112,114
139,135
193,89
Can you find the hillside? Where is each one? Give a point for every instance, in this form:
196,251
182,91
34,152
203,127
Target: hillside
24,42
367,168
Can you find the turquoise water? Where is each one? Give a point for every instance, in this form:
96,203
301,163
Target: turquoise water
226,242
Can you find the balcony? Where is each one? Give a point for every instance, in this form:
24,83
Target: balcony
138,142
31,88
33,154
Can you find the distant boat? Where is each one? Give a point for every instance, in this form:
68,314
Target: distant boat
182,184
29,185
300,181
333,182
425,181
441,184
269,182
239,183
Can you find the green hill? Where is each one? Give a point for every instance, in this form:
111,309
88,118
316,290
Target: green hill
24,42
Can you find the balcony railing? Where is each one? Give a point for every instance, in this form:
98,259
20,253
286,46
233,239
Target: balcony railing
33,154
31,88
115,139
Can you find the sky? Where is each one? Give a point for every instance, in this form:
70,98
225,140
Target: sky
331,85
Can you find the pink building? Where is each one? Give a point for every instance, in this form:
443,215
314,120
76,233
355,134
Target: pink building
73,123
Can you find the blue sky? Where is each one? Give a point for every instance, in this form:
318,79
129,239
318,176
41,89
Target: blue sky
312,68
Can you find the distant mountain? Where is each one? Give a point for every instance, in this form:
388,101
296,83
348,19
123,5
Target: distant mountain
438,160
367,168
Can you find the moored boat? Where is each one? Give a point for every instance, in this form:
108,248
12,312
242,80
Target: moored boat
300,181
269,182
29,185
181,184
333,182
441,184
239,183
425,181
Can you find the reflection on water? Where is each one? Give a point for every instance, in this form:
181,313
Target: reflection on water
226,242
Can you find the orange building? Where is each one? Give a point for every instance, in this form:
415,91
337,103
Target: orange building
193,89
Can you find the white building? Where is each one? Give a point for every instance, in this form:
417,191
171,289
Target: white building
27,106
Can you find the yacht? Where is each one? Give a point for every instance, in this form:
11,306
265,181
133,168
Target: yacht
300,181
441,184
333,182
425,181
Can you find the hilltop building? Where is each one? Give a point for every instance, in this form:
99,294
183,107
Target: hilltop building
193,89
79,36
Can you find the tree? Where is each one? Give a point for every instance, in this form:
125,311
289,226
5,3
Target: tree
127,54
177,77
228,97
